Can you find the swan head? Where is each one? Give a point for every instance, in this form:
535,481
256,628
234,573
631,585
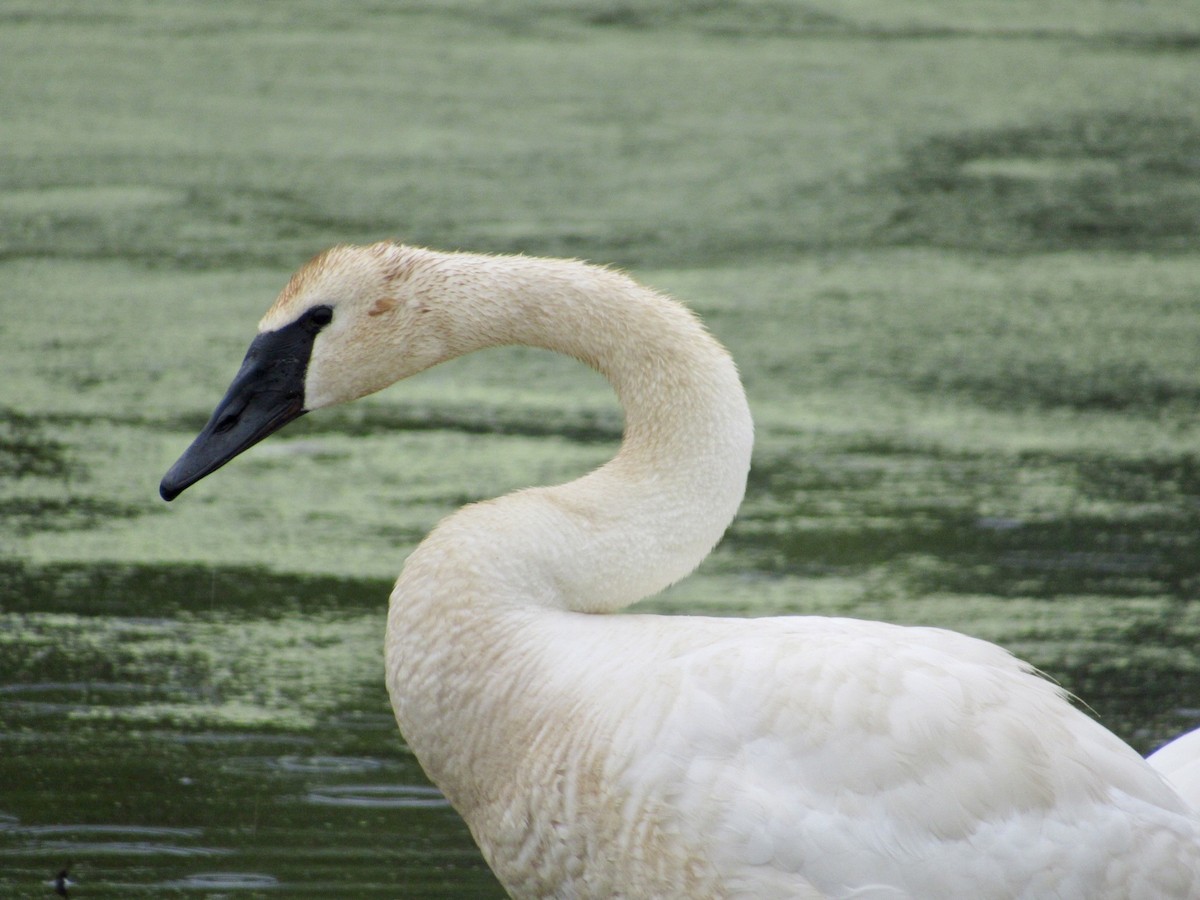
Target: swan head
349,322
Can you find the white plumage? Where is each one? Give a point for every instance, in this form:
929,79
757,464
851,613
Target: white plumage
1179,763
599,755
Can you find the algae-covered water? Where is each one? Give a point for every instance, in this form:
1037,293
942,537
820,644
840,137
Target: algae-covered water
951,245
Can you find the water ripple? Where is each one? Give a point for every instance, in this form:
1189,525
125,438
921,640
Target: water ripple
55,697
148,831
117,848
87,687
329,764
138,840
379,796
307,765
226,881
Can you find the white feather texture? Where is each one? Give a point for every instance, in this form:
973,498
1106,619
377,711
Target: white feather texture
1179,763
601,755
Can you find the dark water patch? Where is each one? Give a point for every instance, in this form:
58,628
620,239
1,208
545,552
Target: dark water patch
77,841
139,831
183,257
272,211
85,688
1122,557
118,589
1118,180
1141,41
956,522
363,721
191,219
1071,556
91,683
1142,481
25,451
1115,557
1153,41
36,14
1146,698
28,701
228,739
29,515
68,849
1131,387
814,550
774,18
733,18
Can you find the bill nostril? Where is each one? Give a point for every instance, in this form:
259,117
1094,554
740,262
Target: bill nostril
226,422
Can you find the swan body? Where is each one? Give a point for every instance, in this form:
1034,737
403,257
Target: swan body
1179,763
597,755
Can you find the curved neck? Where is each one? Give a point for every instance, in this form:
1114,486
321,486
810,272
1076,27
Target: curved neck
650,515
476,609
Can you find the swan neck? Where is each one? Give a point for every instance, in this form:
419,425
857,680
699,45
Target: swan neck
650,515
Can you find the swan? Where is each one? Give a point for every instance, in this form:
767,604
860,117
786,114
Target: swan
600,755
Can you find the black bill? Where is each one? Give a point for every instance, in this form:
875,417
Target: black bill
266,394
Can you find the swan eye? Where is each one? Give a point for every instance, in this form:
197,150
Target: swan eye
320,316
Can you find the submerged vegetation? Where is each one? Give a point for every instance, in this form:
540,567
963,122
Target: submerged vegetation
951,245
1124,181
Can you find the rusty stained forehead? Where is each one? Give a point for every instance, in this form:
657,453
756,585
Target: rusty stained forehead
341,271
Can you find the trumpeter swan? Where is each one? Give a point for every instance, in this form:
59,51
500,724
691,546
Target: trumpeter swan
648,756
